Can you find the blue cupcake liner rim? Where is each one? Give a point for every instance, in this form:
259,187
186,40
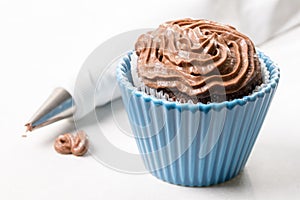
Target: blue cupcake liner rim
273,82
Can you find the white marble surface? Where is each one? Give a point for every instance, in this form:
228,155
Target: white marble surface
31,55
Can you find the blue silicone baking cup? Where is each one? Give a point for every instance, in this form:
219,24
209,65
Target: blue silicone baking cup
195,144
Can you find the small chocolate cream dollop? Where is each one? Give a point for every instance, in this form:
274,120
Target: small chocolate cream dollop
68,143
198,60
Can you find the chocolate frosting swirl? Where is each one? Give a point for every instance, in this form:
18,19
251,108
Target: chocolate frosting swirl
199,60
68,143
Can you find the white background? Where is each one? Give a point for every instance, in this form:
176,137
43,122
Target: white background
41,43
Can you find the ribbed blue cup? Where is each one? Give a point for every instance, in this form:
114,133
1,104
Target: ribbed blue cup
195,144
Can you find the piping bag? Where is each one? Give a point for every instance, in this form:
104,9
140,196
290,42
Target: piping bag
71,101
94,85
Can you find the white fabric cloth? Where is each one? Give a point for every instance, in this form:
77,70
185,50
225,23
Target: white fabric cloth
260,20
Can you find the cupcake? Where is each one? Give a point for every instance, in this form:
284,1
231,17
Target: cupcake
196,93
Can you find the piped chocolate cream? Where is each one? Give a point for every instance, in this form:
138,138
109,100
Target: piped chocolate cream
76,144
198,60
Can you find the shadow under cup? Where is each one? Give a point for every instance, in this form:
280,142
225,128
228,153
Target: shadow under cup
195,144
